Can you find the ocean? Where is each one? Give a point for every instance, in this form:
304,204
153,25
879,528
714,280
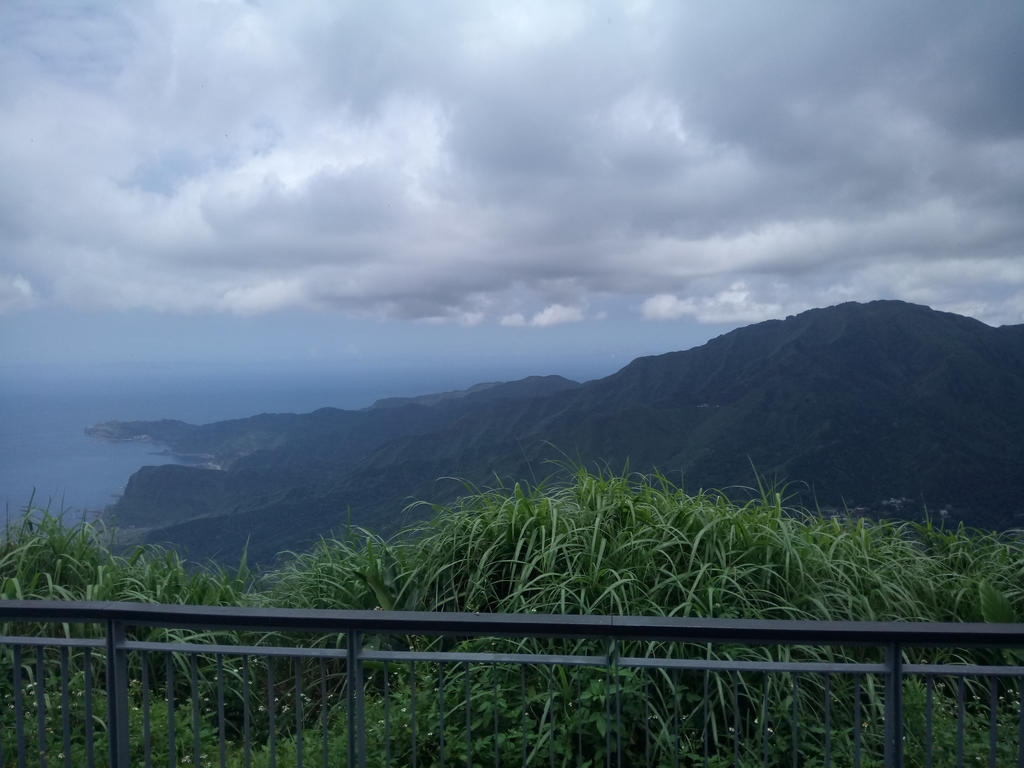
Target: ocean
46,456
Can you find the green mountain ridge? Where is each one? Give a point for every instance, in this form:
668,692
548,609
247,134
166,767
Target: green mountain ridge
854,404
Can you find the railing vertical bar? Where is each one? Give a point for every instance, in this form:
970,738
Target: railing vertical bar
65,707
707,733
246,714
736,719
993,699
929,684
893,725
551,715
607,712
298,712
889,722
1020,726
356,723
172,750
323,708
796,721
647,718
494,708
2,703
355,657
579,710
41,704
117,695
440,710
387,720
618,705
349,712
19,708
522,698
412,707
764,722
111,699
675,716
147,731
197,748
828,720
469,721
856,721
271,713
960,722
90,755
221,719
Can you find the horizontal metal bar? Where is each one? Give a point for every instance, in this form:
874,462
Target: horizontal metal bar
523,658
52,642
722,665
457,657
289,652
965,670
668,629
834,633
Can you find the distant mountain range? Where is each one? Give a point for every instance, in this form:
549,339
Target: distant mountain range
875,408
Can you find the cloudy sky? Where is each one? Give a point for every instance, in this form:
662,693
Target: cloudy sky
187,179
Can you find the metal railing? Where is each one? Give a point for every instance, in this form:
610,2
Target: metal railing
124,684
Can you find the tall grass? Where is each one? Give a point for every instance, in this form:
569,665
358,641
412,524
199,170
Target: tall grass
44,557
638,545
599,544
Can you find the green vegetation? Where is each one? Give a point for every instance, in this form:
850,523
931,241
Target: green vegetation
600,544
869,402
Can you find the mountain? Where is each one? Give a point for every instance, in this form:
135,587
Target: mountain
885,405
531,386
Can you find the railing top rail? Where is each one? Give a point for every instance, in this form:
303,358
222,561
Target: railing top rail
748,631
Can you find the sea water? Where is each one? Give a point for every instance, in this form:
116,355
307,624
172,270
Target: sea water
46,457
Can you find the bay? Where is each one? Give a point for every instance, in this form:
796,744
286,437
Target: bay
46,457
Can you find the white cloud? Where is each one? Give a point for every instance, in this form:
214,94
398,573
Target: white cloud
497,29
665,306
737,304
15,294
263,297
555,315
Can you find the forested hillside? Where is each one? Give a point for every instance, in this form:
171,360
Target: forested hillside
883,408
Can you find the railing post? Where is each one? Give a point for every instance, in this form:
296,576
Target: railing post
356,718
117,695
894,706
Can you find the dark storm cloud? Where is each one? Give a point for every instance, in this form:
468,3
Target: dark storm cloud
498,163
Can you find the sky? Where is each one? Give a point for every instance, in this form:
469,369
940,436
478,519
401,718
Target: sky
548,187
